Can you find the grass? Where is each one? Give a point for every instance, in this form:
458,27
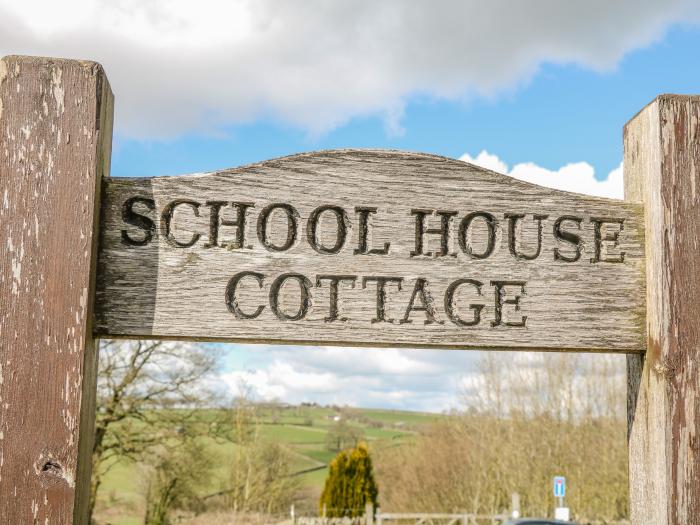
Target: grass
292,434
302,430
398,417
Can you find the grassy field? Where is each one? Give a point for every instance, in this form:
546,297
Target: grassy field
300,429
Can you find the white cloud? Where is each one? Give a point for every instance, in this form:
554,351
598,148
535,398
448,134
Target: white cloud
577,177
428,380
486,160
435,381
179,66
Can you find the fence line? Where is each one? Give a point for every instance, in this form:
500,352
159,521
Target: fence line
423,518
381,518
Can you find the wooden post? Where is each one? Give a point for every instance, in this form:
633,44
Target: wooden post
369,514
662,170
55,140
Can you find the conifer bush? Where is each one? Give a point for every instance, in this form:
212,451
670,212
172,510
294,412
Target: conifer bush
350,484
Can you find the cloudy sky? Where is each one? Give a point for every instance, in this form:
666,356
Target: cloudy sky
537,89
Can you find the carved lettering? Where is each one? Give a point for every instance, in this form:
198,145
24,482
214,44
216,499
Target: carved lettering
364,229
292,226
443,231
449,303
304,303
167,218
342,221
381,295
513,219
420,292
569,237
500,291
463,234
216,221
605,240
334,281
232,299
463,300
133,218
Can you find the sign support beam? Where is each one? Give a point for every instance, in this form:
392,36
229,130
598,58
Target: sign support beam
55,142
662,170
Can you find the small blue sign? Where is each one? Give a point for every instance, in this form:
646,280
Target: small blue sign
559,486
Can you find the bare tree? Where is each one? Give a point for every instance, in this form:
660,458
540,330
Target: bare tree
342,435
262,478
534,416
175,479
147,391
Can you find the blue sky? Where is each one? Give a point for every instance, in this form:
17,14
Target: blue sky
538,89
565,113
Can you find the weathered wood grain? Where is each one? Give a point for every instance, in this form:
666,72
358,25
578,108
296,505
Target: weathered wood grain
662,156
55,137
581,294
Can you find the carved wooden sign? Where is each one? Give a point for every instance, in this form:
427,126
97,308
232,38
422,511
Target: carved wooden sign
369,248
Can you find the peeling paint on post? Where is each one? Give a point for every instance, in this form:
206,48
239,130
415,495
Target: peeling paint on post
55,140
661,164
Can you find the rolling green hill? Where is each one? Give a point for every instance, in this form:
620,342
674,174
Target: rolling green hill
300,429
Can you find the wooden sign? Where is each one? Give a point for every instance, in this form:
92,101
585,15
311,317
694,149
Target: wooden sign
369,248
343,247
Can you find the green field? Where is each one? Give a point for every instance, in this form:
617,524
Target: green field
300,429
